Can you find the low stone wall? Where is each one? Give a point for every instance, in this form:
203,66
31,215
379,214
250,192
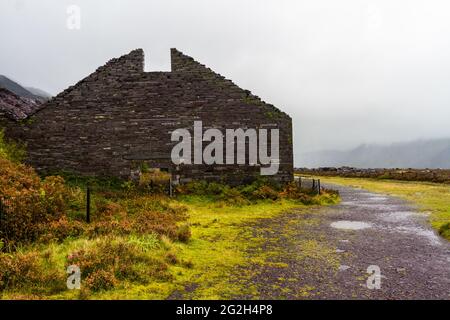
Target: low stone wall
427,175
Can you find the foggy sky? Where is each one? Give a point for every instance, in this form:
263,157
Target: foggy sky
347,71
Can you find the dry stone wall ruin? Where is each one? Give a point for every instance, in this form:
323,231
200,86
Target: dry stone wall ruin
120,117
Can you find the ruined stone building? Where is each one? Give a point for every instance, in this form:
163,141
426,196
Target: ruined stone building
120,117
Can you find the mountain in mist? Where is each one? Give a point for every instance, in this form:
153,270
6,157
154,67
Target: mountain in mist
18,102
433,154
39,92
16,107
19,90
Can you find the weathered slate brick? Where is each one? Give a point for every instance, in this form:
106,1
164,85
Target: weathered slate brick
120,116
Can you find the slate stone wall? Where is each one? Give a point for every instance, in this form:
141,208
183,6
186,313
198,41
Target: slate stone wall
120,116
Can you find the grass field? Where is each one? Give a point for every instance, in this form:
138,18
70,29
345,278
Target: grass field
139,243
200,268
218,243
432,198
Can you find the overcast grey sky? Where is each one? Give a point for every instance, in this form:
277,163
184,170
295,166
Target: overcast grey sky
347,71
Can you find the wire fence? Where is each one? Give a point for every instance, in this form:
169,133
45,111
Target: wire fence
308,184
7,206
163,186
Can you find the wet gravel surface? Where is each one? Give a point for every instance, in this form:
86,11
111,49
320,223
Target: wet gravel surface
326,253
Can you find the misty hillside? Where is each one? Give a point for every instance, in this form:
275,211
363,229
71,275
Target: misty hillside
39,92
30,93
16,107
419,154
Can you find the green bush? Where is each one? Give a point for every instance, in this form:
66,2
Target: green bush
444,230
261,189
10,149
232,196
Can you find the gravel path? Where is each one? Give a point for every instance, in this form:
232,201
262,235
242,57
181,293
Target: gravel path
325,253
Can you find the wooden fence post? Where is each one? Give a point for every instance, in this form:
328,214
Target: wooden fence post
318,182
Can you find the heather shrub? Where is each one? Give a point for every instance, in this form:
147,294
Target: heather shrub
29,203
266,192
154,203
171,258
261,189
26,270
223,194
293,192
60,229
47,210
215,188
183,233
101,280
54,196
110,259
108,210
233,197
109,227
18,270
138,216
156,222
154,181
309,197
193,187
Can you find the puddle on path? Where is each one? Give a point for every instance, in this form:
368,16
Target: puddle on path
349,203
364,193
378,206
350,225
428,234
371,205
397,216
378,198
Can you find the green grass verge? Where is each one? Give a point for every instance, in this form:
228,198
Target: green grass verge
203,267
433,198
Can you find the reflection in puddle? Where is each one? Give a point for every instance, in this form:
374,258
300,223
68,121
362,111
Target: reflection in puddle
371,205
349,203
378,198
428,234
350,225
397,216
376,206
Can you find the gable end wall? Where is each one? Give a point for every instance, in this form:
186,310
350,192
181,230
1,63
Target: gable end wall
120,116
